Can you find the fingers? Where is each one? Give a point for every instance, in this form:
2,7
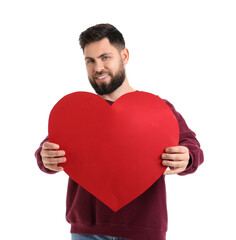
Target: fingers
54,160
51,150
53,167
173,164
52,153
53,163
51,146
179,153
176,149
173,157
51,156
174,171
176,166
176,158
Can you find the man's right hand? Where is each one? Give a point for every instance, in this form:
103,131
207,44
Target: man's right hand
52,156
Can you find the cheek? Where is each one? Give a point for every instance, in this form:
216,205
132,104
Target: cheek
89,71
112,66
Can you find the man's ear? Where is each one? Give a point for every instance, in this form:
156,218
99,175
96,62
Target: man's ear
125,55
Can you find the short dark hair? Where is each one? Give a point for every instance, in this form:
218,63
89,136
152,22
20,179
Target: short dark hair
100,31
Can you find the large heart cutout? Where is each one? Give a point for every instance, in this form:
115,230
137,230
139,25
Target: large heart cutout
113,151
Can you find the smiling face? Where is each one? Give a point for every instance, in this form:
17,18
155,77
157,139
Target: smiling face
105,66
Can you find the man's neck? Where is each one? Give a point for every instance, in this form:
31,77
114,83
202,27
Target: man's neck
123,89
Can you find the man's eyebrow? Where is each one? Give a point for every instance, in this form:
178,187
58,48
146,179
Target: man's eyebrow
88,58
102,55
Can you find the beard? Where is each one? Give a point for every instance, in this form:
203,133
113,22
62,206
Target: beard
115,82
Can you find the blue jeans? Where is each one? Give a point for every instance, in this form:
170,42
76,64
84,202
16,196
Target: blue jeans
93,237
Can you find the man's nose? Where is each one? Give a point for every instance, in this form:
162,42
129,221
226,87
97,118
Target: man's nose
99,66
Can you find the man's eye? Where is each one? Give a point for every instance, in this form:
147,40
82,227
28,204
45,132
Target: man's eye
89,61
105,57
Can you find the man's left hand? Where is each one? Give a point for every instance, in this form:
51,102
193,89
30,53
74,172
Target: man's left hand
176,158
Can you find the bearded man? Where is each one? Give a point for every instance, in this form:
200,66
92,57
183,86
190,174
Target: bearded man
145,218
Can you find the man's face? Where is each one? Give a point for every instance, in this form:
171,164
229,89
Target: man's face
105,66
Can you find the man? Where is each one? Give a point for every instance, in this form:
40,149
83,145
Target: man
145,218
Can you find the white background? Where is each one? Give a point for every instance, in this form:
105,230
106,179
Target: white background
183,51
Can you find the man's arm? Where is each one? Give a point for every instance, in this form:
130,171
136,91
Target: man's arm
185,158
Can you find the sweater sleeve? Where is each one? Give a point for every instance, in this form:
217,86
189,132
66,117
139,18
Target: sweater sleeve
39,159
188,139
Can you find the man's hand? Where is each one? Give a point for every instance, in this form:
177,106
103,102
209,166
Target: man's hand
176,158
51,156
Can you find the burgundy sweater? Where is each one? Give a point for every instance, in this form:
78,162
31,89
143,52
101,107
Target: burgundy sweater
143,218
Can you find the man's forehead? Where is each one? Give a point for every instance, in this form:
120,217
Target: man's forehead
96,49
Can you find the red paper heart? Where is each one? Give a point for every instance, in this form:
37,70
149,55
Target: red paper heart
114,152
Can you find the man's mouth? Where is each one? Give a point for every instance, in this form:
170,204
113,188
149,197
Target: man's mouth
102,77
